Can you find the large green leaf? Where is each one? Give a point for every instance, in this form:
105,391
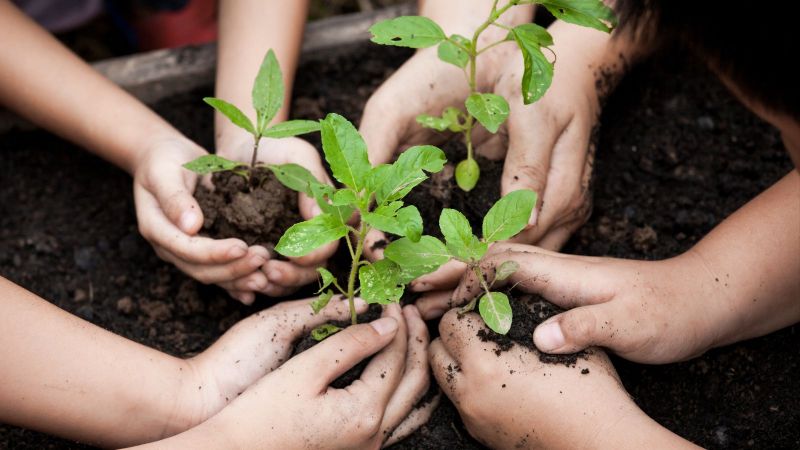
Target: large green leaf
210,164
538,71
409,171
496,311
395,220
380,282
345,151
407,31
491,110
508,216
304,237
268,91
295,177
233,113
427,252
457,232
452,50
292,128
588,13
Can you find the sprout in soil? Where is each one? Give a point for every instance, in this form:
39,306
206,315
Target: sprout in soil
490,110
268,91
376,193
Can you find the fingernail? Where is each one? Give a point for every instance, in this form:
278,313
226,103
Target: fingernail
237,252
187,221
548,337
534,216
254,285
257,261
276,276
411,311
384,325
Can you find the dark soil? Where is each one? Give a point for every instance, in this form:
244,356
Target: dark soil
257,212
676,155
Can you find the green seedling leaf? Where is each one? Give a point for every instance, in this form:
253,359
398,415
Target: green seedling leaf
461,243
506,269
410,222
450,52
467,174
454,116
344,197
304,237
268,91
322,301
233,113
508,216
377,176
428,251
345,151
380,282
327,278
292,128
469,307
538,73
411,273
491,110
399,221
433,122
210,164
407,31
295,177
409,171
324,331
587,13
496,311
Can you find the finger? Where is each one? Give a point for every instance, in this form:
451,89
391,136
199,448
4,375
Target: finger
445,277
433,305
246,297
446,370
217,273
288,274
160,231
277,291
254,282
296,318
556,238
417,418
374,244
381,126
459,334
318,366
174,197
318,256
578,329
415,381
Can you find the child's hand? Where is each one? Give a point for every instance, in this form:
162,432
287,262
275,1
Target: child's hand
512,400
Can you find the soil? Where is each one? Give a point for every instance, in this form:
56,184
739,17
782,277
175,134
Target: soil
257,210
676,155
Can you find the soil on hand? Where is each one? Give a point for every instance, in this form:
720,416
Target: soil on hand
257,211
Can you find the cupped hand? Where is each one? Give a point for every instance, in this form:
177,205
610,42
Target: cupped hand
513,400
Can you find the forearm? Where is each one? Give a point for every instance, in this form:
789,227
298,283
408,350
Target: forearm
747,268
248,28
67,377
43,81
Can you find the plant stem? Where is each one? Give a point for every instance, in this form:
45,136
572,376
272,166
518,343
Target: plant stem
479,273
256,138
351,281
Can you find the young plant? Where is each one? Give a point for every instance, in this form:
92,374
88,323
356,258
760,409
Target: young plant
268,92
505,219
490,110
376,193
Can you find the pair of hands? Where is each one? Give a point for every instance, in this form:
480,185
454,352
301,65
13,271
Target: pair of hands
252,359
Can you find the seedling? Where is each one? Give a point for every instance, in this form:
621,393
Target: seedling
505,219
268,92
376,193
490,110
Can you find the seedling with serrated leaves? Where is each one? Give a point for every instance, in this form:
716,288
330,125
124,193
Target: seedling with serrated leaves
505,219
268,92
490,110
376,193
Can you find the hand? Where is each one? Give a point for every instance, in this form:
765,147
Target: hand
279,278
294,406
170,218
513,400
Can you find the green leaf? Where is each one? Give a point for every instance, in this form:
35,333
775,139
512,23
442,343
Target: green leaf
410,273
538,73
407,172
428,251
377,176
210,164
380,282
292,128
433,122
467,174
401,222
456,118
407,31
506,269
508,216
268,91
491,110
410,222
457,232
344,197
496,311
295,177
324,331
304,237
233,113
322,301
345,151
451,53
588,13
327,278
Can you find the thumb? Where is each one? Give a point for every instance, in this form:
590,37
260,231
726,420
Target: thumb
175,198
381,129
575,330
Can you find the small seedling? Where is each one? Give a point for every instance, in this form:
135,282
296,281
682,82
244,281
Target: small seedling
376,193
505,219
268,92
490,110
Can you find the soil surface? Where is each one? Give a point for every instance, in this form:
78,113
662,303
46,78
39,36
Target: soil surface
676,155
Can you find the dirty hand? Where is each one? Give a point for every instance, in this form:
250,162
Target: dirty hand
170,218
513,400
278,278
295,407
